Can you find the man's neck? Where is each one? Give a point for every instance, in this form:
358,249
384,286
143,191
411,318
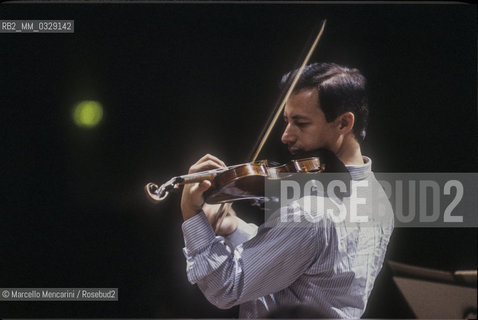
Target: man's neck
349,152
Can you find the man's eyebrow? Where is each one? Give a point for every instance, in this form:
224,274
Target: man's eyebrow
299,117
295,117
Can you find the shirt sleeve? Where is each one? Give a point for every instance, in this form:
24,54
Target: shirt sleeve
267,263
244,232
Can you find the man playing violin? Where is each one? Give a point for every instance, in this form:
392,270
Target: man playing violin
328,265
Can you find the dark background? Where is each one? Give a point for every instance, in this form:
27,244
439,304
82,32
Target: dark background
179,80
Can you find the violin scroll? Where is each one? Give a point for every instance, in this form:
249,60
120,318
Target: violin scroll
157,193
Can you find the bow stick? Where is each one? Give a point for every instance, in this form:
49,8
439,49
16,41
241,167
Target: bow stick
225,207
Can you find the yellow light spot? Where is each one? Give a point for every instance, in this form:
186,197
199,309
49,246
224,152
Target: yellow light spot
88,114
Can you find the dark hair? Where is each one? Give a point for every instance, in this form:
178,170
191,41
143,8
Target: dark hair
341,90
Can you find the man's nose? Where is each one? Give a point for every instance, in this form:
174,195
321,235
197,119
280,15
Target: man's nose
288,136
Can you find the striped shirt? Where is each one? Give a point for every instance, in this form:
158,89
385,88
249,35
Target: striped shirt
327,264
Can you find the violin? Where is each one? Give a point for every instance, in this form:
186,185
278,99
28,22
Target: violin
238,182
246,181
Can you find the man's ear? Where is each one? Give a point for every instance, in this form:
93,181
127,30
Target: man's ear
346,122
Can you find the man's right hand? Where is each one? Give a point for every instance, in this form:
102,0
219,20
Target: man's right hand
192,198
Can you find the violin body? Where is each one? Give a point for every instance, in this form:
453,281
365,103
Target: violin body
247,181
240,182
